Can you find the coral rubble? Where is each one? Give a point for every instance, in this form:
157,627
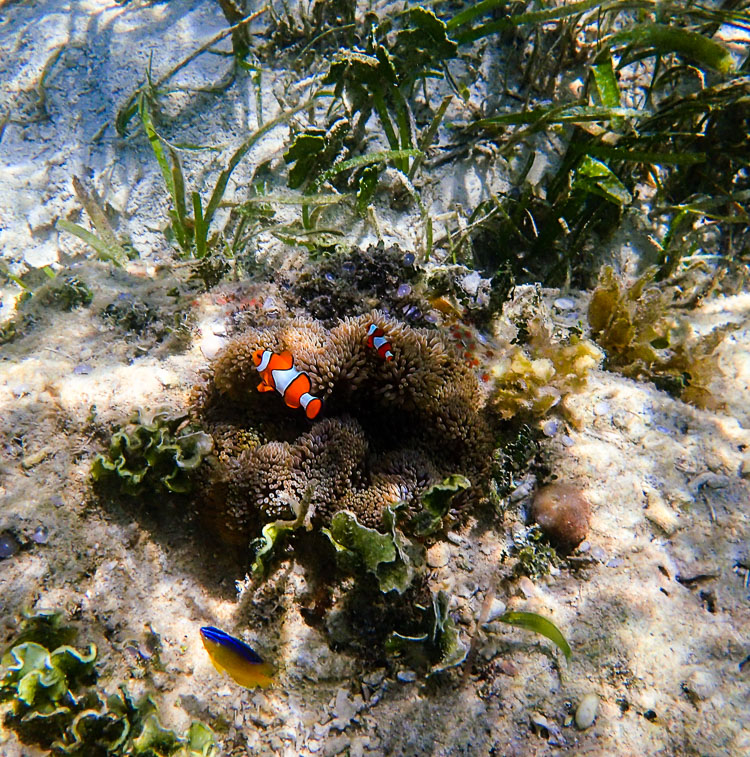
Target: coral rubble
387,432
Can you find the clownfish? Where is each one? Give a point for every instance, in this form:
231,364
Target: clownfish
235,658
377,340
278,373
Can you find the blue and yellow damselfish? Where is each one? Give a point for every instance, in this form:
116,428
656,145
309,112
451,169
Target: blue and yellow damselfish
237,659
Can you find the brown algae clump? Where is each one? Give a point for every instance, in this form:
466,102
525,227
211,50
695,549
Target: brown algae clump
645,340
563,513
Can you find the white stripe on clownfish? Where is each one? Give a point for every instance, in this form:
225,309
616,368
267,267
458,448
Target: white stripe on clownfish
377,340
282,378
265,360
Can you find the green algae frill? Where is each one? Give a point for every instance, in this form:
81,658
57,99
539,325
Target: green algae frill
53,700
156,454
389,430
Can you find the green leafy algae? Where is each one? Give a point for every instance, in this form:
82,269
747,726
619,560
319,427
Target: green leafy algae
51,699
436,648
156,454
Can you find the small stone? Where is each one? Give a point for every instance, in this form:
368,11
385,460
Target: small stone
598,553
211,344
438,555
403,291
700,685
660,514
29,461
406,676
526,585
563,513
497,609
602,408
9,545
40,535
567,441
564,303
550,428
586,711
82,369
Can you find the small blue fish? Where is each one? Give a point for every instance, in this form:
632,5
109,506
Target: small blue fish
237,659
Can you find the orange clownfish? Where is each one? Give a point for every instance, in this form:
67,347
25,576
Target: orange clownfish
235,658
278,373
377,340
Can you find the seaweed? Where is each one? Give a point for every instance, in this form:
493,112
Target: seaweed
536,556
434,646
390,557
534,378
156,453
54,702
644,337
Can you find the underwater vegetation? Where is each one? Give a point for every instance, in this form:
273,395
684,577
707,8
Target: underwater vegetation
49,696
389,429
153,453
645,338
355,281
534,377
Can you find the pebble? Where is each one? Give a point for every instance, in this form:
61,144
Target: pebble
550,428
563,513
586,711
82,369
598,553
700,685
40,535
211,344
438,555
409,258
348,267
564,303
602,408
404,290
497,609
431,318
406,676
9,546
567,441
453,537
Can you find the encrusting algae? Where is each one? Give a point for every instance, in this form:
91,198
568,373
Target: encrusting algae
388,428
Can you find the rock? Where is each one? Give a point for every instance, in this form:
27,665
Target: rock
586,711
700,685
438,555
660,514
563,513
497,609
